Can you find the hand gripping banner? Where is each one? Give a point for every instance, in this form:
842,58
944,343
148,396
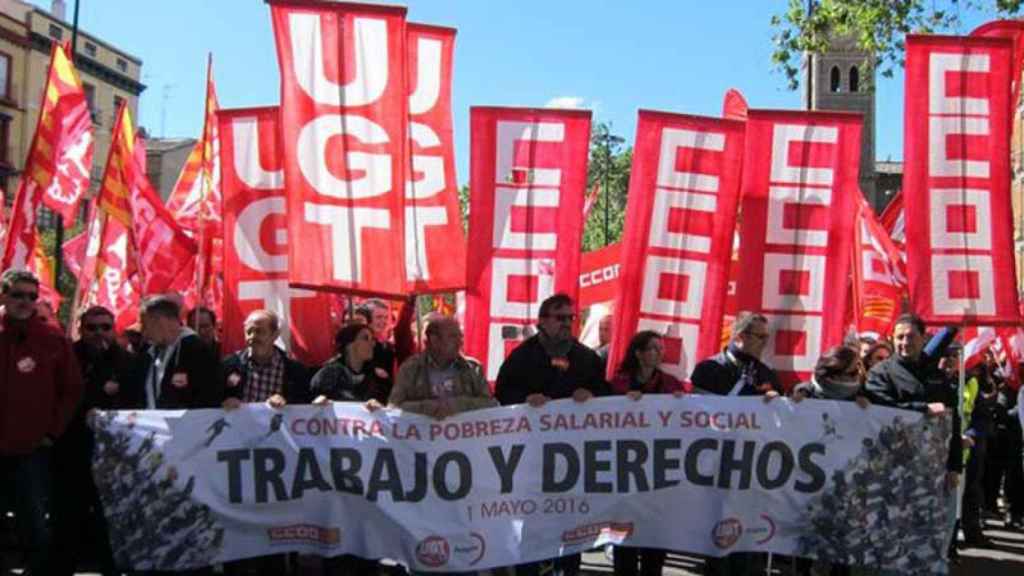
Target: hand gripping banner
683,194
527,178
956,183
256,238
505,486
343,124
435,245
799,206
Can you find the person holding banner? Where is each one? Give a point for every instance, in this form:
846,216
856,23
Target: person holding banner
738,371
838,375
441,382
639,374
262,372
178,371
551,365
42,387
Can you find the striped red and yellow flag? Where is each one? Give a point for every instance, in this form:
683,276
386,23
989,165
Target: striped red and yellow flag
115,188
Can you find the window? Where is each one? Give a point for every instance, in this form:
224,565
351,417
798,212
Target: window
90,49
90,99
122,65
5,76
56,32
5,135
118,101
834,79
854,79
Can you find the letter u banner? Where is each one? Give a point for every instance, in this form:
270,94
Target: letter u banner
528,173
683,193
505,486
256,238
956,184
799,207
344,128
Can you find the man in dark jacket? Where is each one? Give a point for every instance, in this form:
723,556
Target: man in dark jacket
551,365
262,372
41,387
178,371
77,508
738,370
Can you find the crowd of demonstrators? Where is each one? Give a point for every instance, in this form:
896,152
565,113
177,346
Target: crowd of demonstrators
168,365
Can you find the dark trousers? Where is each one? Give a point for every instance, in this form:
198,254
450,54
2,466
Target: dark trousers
30,476
1015,470
974,491
630,561
564,566
995,467
79,525
736,564
349,565
275,565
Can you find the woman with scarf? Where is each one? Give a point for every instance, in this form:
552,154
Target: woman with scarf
638,374
838,375
349,377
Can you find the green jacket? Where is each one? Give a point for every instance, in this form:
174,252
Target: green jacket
412,391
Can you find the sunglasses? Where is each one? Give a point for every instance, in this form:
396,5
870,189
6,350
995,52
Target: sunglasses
563,317
26,296
97,327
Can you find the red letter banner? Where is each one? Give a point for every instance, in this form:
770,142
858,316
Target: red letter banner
343,113
599,275
683,194
799,205
435,246
956,184
256,239
528,172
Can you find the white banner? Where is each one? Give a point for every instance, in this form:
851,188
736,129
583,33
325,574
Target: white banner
498,487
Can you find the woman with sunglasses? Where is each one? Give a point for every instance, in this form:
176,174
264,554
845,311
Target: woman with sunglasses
639,374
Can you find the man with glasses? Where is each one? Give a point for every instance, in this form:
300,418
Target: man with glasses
41,386
739,371
77,509
551,365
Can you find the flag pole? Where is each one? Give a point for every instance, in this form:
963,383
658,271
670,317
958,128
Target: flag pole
204,190
58,244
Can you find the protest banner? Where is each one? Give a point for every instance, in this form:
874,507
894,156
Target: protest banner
503,486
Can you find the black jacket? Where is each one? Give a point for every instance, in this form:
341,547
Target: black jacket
296,377
98,368
530,370
912,386
335,381
720,374
198,383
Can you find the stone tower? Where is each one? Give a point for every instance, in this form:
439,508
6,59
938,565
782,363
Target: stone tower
842,79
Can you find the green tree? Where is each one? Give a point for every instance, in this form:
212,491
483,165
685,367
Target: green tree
608,168
879,27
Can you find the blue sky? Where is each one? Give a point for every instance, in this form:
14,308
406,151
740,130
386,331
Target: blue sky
611,57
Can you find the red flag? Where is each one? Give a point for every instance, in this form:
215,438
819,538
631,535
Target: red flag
683,195
108,276
1014,30
960,259
196,195
164,253
256,229
878,281
344,143
799,201
74,252
435,245
734,106
527,177
599,275
57,168
894,223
